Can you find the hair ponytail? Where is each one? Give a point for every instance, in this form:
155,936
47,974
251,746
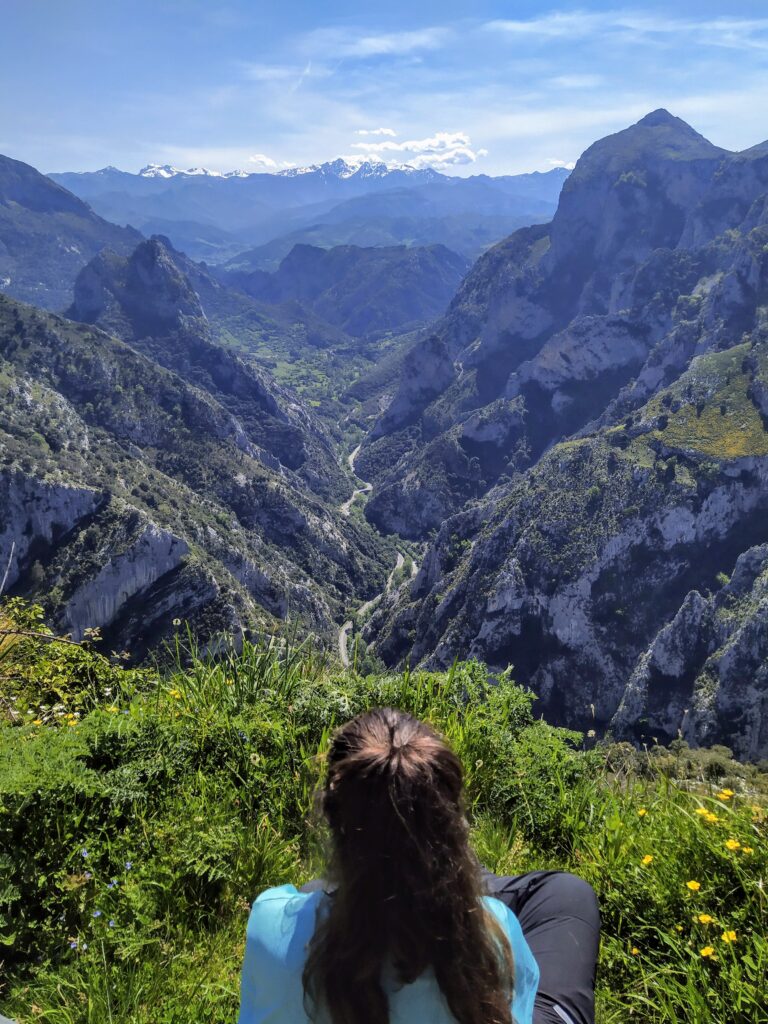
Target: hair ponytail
408,894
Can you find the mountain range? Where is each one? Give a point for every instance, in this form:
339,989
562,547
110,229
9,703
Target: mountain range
570,435
214,216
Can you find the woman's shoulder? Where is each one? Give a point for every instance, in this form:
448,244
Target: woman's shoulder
281,923
526,968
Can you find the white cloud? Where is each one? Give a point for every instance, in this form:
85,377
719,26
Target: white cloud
375,131
441,149
567,164
261,160
350,42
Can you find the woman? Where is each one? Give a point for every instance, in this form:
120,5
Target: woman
404,935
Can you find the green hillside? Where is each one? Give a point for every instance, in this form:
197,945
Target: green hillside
140,813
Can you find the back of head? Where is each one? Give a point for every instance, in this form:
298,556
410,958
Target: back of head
409,891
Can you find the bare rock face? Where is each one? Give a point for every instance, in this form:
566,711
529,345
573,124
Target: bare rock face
582,573
704,676
130,498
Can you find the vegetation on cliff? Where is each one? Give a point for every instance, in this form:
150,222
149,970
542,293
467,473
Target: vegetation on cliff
140,813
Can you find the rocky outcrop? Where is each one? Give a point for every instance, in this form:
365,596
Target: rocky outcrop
131,498
587,317
705,675
34,516
149,300
577,572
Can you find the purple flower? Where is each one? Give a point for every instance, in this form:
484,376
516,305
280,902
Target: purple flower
97,913
111,924
112,884
88,876
128,865
73,944
83,852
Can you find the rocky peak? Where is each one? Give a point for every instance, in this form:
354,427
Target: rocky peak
143,294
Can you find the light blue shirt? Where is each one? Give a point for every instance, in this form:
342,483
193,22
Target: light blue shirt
280,927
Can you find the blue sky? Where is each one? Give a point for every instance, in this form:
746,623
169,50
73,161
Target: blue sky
467,87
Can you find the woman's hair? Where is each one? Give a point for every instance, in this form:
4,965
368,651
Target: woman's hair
409,890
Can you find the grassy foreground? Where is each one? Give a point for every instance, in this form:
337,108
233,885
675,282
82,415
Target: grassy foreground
141,812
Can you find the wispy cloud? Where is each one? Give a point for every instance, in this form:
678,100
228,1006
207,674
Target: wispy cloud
731,33
443,149
351,42
375,131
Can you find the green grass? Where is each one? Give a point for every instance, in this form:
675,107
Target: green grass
133,840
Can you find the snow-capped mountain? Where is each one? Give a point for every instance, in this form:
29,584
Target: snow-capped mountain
167,171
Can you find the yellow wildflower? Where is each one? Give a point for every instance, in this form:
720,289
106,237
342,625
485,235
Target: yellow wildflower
702,810
732,844
72,722
693,885
725,794
635,951
678,927
175,694
747,849
642,812
38,721
707,951
647,859
112,709
711,817
706,918
728,936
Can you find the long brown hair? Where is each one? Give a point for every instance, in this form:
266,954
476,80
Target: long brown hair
408,886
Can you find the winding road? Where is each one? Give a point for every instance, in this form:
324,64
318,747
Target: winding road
345,628
346,508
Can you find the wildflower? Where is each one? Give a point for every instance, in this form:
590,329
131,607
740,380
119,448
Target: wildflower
111,923
705,918
84,946
702,810
83,852
678,927
635,951
175,693
177,622
112,883
72,722
112,709
725,794
96,913
128,865
693,885
73,944
37,721
707,951
642,812
728,936
732,844
747,849
88,876
647,859
711,817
